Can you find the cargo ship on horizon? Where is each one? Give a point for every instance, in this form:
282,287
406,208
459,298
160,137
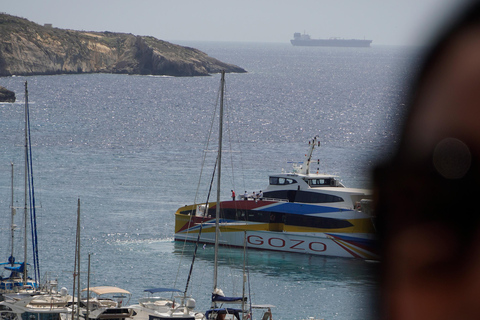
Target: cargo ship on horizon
305,40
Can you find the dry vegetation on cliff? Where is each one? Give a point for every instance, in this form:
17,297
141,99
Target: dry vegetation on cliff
27,48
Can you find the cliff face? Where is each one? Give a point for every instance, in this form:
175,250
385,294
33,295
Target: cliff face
27,48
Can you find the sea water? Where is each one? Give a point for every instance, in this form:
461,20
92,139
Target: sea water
131,149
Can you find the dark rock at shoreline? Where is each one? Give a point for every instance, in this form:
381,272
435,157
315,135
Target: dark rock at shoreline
6,95
27,48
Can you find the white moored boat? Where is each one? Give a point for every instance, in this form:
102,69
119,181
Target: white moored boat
155,307
51,305
106,303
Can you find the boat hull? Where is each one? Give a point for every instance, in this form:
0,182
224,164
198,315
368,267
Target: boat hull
280,226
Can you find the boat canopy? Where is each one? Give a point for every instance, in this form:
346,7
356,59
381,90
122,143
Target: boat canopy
106,290
155,290
3,263
20,268
262,306
219,298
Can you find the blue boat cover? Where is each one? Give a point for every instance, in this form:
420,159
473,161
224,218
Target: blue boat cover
219,298
154,290
20,268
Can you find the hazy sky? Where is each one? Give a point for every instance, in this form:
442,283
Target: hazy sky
390,22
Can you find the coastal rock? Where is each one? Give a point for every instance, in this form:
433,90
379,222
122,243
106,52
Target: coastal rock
6,95
27,48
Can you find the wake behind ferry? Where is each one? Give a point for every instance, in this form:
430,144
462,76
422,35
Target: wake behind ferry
299,212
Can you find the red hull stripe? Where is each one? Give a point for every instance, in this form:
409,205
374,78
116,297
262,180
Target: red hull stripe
356,243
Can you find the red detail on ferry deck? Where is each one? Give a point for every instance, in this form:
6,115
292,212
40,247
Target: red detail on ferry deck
245,204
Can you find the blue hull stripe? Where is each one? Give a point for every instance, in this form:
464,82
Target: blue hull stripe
299,208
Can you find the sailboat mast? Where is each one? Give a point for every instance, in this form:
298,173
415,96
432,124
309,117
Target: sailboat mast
217,211
88,290
12,225
25,211
78,256
244,274
76,268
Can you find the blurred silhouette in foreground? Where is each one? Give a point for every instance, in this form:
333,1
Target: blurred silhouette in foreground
428,195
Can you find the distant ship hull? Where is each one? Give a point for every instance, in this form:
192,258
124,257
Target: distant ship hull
305,41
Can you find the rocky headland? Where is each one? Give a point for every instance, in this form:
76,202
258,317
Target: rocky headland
27,48
6,95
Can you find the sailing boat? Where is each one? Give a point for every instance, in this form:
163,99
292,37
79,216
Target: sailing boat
14,281
19,280
22,297
181,307
217,311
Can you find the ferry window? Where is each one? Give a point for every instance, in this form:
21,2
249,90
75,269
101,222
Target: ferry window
286,181
258,216
281,194
273,180
240,215
321,182
281,181
316,222
229,214
314,197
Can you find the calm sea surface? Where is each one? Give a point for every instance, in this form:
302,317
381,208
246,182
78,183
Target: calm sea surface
131,148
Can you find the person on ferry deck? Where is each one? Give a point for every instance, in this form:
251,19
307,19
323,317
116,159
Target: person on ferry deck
426,195
233,195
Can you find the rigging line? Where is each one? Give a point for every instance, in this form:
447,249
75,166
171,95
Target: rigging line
247,270
33,215
201,227
75,268
206,145
33,222
231,131
228,130
32,226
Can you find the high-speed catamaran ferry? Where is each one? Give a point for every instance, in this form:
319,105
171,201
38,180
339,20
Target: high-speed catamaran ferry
299,212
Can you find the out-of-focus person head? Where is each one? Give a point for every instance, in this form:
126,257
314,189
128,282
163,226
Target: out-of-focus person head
427,196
